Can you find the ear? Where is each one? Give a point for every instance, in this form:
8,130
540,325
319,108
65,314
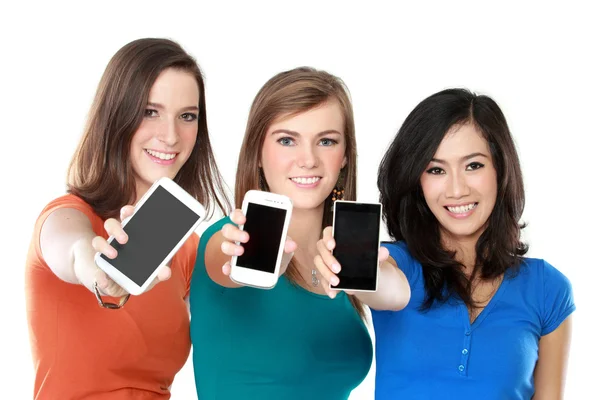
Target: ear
344,162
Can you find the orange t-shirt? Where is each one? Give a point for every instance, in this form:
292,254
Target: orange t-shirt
83,351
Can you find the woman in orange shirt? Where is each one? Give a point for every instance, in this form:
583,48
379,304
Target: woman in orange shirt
148,120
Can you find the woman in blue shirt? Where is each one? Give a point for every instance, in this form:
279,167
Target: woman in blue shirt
483,321
293,341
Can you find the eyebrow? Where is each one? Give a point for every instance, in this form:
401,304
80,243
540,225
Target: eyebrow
296,134
161,107
465,158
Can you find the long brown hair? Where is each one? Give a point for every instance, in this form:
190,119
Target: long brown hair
291,93
100,171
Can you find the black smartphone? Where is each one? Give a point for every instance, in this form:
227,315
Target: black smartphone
356,233
163,220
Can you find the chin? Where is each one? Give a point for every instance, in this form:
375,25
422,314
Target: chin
306,202
463,232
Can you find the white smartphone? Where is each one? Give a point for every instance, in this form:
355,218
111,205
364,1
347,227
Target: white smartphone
356,232
267,221
162,221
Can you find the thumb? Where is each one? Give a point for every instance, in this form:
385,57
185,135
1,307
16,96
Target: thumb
101,279
287,257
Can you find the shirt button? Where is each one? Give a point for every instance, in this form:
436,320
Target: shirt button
461,368
465,351
467,333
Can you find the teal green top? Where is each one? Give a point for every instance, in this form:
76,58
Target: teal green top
284,343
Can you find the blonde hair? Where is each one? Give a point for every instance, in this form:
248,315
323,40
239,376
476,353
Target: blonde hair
291,93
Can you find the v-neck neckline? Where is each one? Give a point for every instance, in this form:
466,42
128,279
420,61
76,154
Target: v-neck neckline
486,310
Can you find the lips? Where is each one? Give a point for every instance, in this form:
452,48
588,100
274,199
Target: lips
461,209
306,180
160,155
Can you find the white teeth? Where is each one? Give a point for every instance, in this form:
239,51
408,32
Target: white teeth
462,209
162,156
306,181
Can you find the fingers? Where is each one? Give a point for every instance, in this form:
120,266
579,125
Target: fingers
126,212
163,274
106,286
383,255
328,258
233,234
114,228
290,246
101,245
231,249
328,238
327,277
238,217
226,269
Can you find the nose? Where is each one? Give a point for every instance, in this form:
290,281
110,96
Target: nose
168,132
307,157
457,186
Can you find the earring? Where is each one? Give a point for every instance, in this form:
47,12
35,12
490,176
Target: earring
338,190
337,194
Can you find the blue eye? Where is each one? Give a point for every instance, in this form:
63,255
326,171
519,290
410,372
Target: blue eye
474,165
435,171
190,117
328,142
286,141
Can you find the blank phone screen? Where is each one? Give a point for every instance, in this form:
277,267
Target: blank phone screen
356,234
154,231
264,225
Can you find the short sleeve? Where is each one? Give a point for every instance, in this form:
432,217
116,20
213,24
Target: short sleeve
558,301
407,264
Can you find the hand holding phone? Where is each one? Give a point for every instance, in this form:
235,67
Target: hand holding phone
267,218
161,222
114,228
234,239
350,252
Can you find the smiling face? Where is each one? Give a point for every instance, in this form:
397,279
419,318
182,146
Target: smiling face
167,135
302,155
459,184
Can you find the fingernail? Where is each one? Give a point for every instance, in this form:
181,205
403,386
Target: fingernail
335,267
330,244
331,295
334,280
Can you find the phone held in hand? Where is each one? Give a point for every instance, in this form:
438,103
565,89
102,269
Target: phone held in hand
163,219
267,221
356,229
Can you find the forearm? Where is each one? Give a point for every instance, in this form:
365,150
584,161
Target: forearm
82,256
551,369
66,243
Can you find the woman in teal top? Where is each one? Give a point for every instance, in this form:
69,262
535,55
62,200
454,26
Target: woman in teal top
297,340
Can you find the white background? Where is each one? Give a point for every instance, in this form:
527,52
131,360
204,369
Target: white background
539,61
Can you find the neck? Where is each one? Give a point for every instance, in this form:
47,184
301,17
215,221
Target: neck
305,229
140,190
465,248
